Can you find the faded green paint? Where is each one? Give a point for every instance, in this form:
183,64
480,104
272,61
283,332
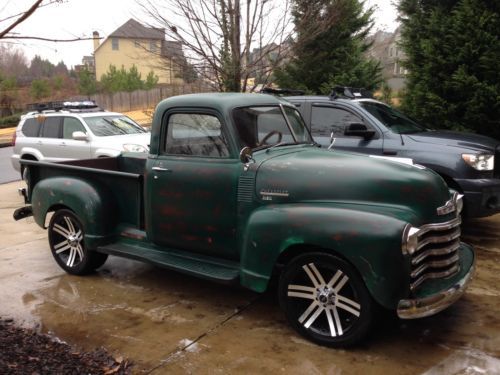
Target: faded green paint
92,204
214,213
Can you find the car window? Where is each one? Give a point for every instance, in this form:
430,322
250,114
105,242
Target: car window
71,125
393,119
196,135
266,126
31,127
327,120
298,125
51,127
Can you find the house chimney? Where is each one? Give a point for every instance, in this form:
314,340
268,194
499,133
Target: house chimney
95,35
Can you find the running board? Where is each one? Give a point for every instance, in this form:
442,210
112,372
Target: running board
189,263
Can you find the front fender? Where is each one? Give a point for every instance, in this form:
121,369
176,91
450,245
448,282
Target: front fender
107,152
91,202
370,241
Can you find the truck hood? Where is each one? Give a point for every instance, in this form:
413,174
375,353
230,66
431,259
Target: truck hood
456,139
315,175
116,142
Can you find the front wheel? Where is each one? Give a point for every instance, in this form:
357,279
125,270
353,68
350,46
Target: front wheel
66,240
325,300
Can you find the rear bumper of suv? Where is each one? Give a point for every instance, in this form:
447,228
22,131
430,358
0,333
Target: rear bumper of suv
482,196
14,159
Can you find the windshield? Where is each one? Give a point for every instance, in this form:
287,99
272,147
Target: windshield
393,119
262,127
103,126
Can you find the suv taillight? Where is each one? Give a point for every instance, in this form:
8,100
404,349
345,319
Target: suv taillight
14,137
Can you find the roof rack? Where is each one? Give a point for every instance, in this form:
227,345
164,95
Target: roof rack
350,93
279,92
71,106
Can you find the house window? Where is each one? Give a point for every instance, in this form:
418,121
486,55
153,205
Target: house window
152,47
114,44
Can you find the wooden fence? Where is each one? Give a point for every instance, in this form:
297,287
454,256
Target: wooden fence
142,99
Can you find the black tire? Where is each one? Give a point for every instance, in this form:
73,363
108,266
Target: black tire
66,240
325,300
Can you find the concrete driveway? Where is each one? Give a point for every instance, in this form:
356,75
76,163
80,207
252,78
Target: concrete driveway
170,323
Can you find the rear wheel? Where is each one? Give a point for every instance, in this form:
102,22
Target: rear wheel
66,240
325,299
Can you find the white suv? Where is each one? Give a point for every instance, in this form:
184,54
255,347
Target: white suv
80,130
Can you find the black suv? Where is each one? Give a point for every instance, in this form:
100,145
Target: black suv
354,121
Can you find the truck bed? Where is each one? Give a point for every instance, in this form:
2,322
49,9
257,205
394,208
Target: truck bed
122,175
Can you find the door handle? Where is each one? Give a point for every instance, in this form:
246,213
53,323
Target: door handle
161,169
390,152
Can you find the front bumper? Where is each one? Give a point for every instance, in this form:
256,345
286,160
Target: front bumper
427,305
482,196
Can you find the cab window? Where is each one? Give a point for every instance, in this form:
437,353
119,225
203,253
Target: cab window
195,134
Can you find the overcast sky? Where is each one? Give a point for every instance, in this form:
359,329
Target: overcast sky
78,18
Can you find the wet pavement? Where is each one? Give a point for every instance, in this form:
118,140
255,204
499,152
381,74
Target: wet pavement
171,323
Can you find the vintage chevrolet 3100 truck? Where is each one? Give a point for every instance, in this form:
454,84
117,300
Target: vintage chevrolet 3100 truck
235,190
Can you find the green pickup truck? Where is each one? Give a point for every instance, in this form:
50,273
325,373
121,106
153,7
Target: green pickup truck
236,191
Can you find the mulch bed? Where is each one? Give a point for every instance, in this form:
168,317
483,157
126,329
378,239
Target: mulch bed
24,351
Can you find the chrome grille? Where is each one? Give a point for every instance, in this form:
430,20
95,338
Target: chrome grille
436,254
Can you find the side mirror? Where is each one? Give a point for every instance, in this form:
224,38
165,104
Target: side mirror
246,155
80,136
358,129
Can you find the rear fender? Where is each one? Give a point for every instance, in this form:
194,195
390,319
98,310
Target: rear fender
93,203
371,242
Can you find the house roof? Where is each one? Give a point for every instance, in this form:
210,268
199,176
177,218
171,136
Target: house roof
133,29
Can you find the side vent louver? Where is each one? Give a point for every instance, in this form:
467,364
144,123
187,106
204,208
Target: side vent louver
245,188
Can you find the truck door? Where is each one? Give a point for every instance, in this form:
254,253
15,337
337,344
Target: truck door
327,119
192,187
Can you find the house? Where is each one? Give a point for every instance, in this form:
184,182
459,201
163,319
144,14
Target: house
386,49
145,47
88,63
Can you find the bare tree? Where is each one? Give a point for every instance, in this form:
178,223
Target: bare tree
227,41
19,18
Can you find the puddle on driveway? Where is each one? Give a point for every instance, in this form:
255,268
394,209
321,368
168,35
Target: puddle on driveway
170,323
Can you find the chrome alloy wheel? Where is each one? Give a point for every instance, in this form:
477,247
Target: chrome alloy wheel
326,298
67,241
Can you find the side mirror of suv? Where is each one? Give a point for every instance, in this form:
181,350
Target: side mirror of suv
80,136
359,130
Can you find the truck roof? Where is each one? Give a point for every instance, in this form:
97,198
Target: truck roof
223,102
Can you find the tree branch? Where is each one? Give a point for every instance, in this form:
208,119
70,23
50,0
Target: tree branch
25,15
48,39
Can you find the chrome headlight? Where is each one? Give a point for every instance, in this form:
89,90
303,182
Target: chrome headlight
480,162
134,148
410,240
